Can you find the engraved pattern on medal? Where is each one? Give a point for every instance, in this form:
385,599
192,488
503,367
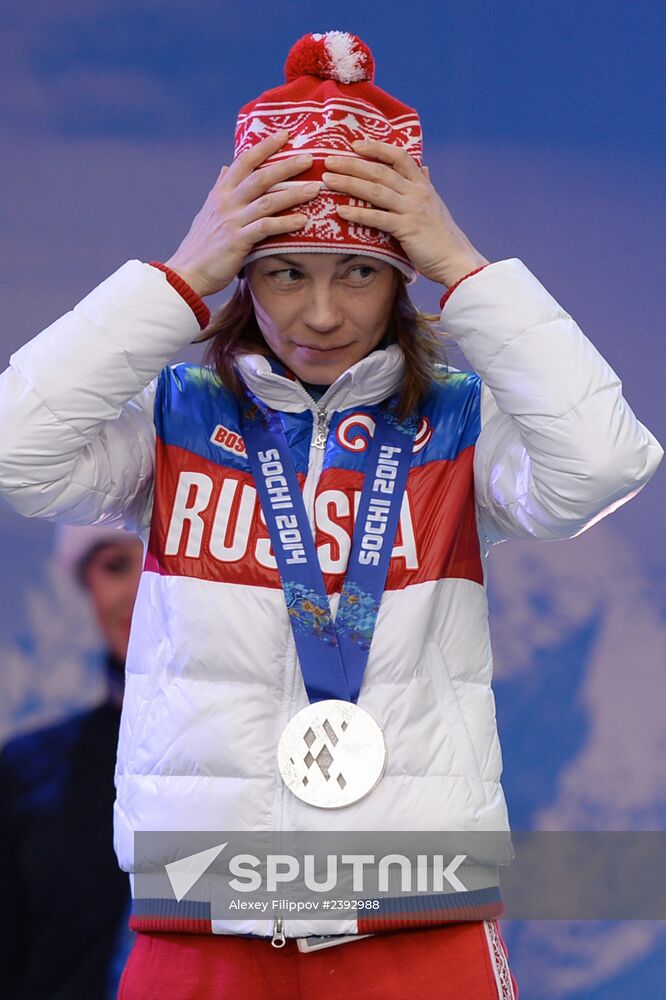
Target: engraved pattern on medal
332,753
319,755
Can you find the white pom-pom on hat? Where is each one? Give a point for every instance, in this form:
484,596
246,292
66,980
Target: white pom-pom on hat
348,60
334,55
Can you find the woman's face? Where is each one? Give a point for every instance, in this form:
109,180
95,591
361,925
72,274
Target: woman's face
320,313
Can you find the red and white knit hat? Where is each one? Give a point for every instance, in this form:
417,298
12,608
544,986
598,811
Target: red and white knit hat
329,100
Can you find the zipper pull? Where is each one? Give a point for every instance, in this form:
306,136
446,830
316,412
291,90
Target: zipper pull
322,430
278,940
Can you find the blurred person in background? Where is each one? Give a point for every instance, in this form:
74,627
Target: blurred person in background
65,899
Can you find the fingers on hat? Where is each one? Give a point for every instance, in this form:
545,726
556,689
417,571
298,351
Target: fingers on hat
256,154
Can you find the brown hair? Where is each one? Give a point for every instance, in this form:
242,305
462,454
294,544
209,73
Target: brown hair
233,331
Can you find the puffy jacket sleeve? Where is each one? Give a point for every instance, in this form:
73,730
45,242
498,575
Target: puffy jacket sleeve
559,447
76,403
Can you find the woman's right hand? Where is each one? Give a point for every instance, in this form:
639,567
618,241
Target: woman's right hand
239,212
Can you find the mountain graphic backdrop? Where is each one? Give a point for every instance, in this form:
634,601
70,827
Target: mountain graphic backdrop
580,648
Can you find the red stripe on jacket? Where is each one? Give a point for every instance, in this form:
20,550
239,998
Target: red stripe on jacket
207,523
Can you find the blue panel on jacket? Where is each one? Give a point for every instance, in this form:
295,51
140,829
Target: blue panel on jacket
191,403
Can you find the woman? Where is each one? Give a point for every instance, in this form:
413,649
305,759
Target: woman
321,379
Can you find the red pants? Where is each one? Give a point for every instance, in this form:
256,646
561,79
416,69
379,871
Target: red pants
465,961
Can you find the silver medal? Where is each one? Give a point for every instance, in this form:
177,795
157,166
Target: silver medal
332,753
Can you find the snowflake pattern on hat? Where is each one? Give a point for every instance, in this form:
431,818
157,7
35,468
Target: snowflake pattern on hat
328,128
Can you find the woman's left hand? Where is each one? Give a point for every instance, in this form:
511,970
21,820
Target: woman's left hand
407,206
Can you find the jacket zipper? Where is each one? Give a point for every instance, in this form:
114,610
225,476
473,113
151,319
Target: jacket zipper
278,940
322,429
322,418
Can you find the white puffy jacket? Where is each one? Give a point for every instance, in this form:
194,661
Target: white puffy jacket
543,446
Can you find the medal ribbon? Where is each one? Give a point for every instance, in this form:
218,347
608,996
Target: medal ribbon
333,655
